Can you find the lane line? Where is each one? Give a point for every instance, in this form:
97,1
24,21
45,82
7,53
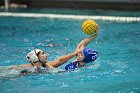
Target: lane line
77,17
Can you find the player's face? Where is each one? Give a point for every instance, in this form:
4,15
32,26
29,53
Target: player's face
80,56
43,56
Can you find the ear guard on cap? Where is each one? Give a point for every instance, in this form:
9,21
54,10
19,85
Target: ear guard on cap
89,55
32,56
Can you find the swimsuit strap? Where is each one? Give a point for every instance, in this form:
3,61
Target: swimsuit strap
79,65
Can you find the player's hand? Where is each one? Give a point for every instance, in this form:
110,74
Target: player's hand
78,50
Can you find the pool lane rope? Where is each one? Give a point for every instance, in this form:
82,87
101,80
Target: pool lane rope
77,17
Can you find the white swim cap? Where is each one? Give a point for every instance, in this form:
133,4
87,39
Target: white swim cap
32,56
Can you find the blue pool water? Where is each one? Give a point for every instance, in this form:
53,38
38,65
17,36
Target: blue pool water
115,71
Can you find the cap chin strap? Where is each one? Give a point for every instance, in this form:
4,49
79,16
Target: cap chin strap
43,65
79,65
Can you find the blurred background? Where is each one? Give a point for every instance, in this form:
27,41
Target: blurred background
92,4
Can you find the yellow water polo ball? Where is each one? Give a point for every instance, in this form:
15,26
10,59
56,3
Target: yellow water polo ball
89,27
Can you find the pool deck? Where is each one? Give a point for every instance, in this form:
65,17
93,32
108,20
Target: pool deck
86,4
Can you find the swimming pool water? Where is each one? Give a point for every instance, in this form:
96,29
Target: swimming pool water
116,70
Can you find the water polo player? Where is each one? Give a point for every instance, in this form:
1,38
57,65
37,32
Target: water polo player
85,56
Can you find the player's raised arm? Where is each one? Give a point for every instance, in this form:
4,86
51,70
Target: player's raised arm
89,27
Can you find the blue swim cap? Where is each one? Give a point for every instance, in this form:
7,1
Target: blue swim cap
89,55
